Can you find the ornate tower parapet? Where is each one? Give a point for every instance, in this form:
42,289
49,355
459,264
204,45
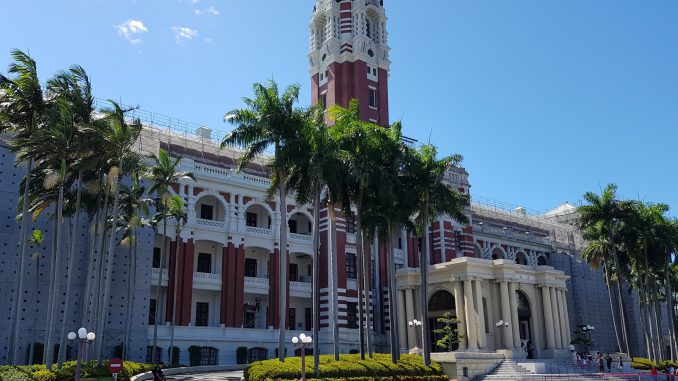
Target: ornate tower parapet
349,56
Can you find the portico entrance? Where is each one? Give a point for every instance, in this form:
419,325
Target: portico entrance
440,303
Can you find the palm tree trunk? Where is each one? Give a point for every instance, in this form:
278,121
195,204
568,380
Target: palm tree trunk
392,300
15,321
109,267
174,292
130,298
91,262
362,285
69,277
622,314
335,283
606,269
669,305
660,329
56,286
157,290
128,305
34,328
51,291
282,190
99,268
650,306
423,267
316,282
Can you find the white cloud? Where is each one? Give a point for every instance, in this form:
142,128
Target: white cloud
207,11
182,33
129,29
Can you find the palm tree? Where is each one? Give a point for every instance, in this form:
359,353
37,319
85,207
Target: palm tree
315,166
177,211
163,173
425,172
359,148
119,136
600,219
22,106
270,119
134,207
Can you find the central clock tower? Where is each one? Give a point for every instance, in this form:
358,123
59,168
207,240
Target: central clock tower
349,56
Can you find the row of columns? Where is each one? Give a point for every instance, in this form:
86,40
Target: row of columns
471,315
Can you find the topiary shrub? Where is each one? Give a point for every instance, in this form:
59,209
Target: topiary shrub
194,355
89,369
241,355
641,363
349,367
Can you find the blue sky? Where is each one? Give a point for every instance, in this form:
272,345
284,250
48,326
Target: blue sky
545,99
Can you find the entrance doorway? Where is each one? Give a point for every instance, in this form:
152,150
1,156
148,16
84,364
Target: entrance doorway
440,303
524,320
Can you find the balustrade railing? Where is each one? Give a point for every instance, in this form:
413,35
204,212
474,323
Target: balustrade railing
210,223
258,231
301,237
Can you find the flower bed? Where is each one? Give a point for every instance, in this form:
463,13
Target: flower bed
66,373
349,367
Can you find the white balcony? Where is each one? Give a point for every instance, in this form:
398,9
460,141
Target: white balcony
256,285
210,225
156,274
302,238
259,232
301,289
207,281
398,256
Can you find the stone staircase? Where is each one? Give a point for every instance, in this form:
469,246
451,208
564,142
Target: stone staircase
556,370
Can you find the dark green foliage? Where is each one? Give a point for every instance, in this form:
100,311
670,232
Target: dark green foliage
449,333
194,355
88,369
241,355
351,367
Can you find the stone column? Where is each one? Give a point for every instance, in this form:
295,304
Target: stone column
515,323
556,318
482,335
566,319
548,317
402,321
506,332
461,315
409,307
471,326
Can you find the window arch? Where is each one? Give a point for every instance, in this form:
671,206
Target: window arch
521,258
497,253
541,260
257,354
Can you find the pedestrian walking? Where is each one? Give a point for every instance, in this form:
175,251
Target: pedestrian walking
601,363
157,372
608,360
621,365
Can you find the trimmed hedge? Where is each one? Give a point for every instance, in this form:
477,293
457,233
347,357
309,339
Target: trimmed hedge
67,372
349,367
641,363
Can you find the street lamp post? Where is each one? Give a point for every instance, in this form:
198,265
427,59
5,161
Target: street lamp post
83,338
302,341
587,330
502,324
416,325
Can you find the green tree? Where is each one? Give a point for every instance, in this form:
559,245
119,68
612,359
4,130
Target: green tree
22,107
425,173
268,120
449,334
164,172
600,221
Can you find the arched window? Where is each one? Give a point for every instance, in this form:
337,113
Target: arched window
541,260
257,354
208,355
497,253
521,259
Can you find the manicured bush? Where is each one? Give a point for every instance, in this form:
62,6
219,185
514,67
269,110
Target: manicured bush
67,371
351,367
641,363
